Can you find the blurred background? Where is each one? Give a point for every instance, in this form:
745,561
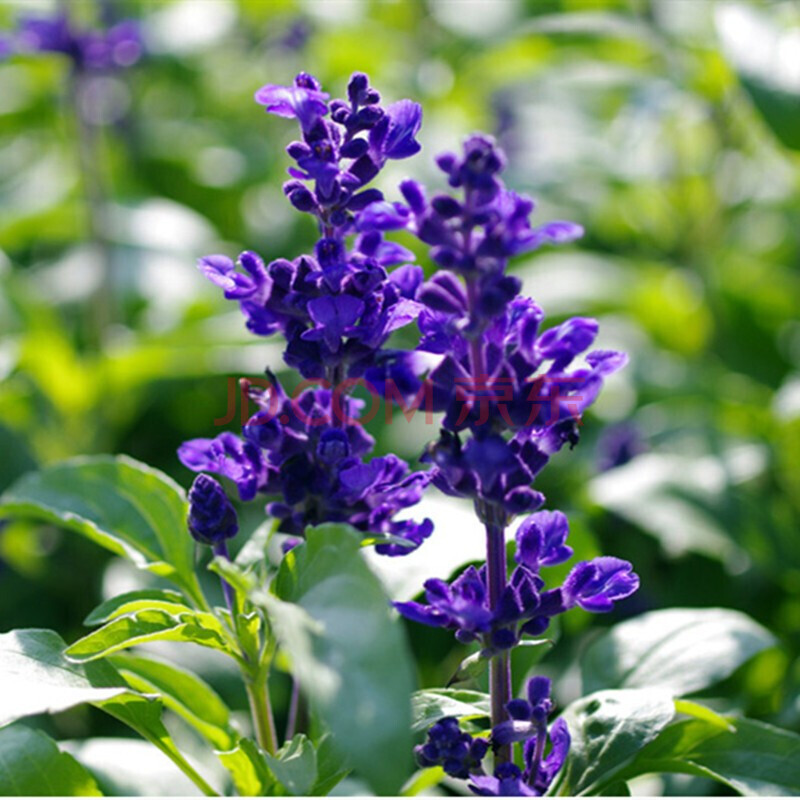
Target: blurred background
670,129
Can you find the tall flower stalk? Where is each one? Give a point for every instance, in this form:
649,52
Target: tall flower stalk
511,398
510,394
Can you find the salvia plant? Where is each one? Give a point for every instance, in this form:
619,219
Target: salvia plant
510,393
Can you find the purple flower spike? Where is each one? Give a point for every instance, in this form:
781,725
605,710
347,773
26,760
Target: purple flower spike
595,585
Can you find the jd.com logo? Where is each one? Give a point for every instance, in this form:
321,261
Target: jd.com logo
476,396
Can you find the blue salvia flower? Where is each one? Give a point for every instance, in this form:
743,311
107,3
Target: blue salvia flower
336,308
526,607
313,470
212,519
528,724
501,380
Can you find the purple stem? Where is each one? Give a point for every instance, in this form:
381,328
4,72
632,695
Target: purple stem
294,706
496,576
500,664
221,549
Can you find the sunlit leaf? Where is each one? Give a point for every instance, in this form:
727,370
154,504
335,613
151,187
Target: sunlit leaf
149,626
182,692
430,705
607,730
681,650
32,764
131,509
753,759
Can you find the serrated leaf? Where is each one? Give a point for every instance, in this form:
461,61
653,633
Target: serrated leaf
348,651
150,626
139,600
295,765
127,507
607,730
755,759
681,650
31,764
183,693
430,705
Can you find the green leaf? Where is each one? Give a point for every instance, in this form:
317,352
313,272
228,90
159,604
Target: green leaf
607,730
149,626
617,789
37,678
692,709
348,651
127,507
31,764
238,577
680,650
430,705
139,600
248,770
295,765
143,715
182,692
755,759
331,766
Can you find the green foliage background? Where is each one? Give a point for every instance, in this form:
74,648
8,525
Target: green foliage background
668,128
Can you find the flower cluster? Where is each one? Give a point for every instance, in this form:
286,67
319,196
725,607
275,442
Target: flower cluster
117,46
343,153
528,724
500,378
289,450
336,308
525,606
459,754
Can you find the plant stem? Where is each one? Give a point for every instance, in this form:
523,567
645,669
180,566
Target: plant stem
500,664
261,709
221,549
294,708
